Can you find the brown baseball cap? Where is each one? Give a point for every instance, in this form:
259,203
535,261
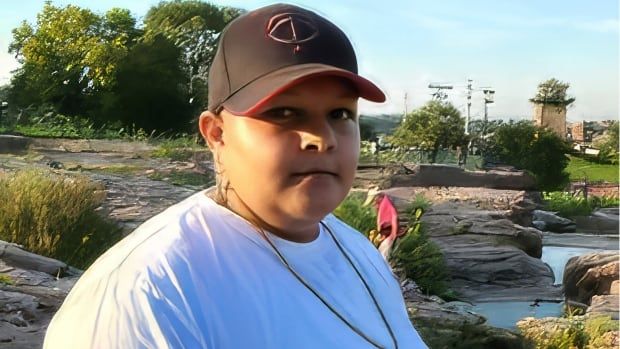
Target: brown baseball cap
263,52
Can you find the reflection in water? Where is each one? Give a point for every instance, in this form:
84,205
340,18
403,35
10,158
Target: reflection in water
506,314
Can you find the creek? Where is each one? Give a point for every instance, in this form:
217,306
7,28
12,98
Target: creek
505,314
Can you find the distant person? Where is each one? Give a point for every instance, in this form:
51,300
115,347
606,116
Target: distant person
257,261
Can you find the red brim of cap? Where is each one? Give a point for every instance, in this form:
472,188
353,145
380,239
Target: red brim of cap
253,96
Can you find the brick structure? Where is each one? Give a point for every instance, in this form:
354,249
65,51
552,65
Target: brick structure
578,131
551,116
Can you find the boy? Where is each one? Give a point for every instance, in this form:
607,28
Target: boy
258,261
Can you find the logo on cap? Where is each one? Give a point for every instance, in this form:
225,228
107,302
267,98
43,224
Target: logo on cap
292,28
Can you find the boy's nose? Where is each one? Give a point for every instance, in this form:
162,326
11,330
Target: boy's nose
319,137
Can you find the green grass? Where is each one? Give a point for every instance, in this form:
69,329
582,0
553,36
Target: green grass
177,149
567,205
184,178
579,168
353,212
6,280
55,216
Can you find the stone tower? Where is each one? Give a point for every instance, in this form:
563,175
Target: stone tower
551,116
550,105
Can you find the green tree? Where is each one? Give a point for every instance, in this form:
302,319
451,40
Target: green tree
432,127
150,91
194,27
69,54
535,149
609,147
553,91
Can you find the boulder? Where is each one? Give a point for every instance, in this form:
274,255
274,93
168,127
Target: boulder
488,256
427,175
553,222
603,221
591,274
604,305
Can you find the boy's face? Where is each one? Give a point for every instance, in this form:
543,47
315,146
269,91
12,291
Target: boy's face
294,161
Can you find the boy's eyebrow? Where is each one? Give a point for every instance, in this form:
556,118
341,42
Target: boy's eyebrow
344,94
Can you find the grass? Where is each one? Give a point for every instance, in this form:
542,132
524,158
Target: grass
573,332
55,216
567,205
6,280
177,149
353,212
579,168
183,178
118,170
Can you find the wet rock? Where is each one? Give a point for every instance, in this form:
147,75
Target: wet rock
553,222
589,275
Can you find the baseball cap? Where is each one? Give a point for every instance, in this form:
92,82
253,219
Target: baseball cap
263,52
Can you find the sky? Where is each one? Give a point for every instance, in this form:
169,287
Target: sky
509,46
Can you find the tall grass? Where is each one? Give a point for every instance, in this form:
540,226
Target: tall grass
55,216
353,212
567,205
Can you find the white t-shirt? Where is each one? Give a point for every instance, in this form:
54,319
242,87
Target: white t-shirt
199,276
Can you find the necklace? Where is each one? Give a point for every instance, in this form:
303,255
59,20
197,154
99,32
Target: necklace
322,299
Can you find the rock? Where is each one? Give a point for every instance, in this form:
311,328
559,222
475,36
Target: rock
540,225
615,287
590,274
554,222
13,255
425,175
549,332
14,144
488,256
602,221
604,305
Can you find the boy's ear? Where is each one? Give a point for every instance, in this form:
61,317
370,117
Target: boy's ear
210,126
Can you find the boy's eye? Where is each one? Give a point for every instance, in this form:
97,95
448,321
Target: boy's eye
281,113
342,114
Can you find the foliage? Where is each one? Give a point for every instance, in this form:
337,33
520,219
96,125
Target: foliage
68,55
434,126
55,216
353,212
479,133
514,143
150,91
609,147
567,205
419,257
581,168
177,149
193,27
6,279
573,332
553,91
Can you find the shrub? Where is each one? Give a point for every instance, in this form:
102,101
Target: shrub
572,332
537,150
567,205
55,216
353,212
419,257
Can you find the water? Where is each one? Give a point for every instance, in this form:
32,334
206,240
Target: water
557,257
506,314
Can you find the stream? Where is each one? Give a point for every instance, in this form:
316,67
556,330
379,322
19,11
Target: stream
506,314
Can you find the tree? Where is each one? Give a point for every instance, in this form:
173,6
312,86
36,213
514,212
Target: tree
552,91
609,147
537,150
150,91
434,126
68,55
194,27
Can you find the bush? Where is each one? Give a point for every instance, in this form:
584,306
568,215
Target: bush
419,257
353,212
567,205
55,216
537,150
